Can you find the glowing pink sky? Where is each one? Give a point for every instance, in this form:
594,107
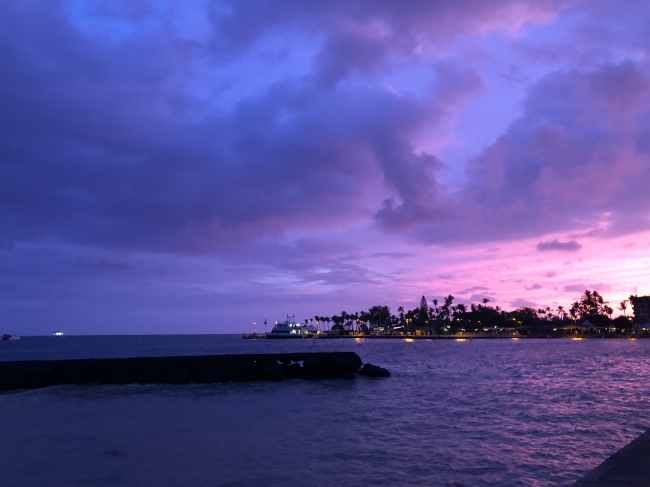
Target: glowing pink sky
171,167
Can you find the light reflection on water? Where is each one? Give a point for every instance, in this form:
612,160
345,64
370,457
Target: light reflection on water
482,412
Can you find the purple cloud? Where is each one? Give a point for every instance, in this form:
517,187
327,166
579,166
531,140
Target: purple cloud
289,150
534,287
472,289
573,288
107,165
569,246
392,255
572,156
480,297
523,303
580,288
169,175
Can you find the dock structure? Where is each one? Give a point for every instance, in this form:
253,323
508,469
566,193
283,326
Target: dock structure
184,369
628,467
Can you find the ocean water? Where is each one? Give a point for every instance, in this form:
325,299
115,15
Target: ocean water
479,413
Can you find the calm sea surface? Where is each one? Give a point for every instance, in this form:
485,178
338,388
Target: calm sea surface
486,412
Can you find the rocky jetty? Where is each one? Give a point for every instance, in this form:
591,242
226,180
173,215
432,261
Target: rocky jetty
373,371
185,369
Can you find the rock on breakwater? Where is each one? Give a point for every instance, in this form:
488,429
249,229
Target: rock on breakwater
179,369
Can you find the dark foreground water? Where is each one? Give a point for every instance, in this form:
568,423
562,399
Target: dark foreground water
486,412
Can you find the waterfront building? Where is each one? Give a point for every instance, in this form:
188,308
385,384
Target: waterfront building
641,307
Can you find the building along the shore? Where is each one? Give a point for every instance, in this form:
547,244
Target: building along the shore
641,308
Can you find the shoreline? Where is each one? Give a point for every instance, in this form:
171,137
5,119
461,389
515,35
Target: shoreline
261,336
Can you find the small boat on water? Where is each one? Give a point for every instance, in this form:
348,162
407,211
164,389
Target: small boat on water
57,333
10,337
292,329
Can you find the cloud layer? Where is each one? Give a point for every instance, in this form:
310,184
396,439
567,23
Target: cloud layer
325,144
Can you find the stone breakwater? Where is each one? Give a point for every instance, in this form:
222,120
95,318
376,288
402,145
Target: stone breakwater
185,369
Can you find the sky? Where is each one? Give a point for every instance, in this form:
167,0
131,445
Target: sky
194,166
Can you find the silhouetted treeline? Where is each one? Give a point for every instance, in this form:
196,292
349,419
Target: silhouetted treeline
441,317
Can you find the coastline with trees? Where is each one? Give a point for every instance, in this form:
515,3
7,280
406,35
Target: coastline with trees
591,315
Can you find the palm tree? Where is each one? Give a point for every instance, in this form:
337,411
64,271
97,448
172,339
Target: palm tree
400,310
623,307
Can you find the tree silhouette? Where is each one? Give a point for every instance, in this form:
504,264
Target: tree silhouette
623,307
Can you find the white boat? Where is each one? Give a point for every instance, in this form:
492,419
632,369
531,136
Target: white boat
291,329
57,333
10,337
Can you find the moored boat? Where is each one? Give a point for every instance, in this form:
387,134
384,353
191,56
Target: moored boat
10,337
292,329
57,333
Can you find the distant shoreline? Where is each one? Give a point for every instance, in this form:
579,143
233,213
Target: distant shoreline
261,336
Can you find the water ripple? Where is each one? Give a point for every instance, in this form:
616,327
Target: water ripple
482,413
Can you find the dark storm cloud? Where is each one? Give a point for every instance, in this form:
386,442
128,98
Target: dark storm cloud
420,198
240,23
344,54
100,145
104,140
569,246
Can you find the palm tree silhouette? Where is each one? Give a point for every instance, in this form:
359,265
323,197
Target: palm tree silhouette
623,307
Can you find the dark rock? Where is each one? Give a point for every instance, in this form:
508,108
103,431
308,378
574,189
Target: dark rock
208,375
239,371
11,377
292,370
315,368
150,375
43,375
108,372
80,377
270,370
344,362
370,370
177,375
181,370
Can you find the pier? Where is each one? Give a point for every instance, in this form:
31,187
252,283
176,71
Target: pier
184,369
628,467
